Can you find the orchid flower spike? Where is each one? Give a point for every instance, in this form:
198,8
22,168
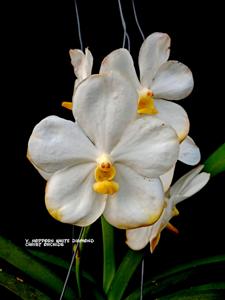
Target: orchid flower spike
184,188
160,80
108,161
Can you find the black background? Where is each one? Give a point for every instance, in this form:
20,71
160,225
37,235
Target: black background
39,77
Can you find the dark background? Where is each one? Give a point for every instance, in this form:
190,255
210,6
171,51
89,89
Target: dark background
39,77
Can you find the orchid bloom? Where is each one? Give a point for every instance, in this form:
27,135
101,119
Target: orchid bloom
184,188
160,80
108,161
82,64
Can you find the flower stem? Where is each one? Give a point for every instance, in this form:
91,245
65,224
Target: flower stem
109,267
124,273
78,260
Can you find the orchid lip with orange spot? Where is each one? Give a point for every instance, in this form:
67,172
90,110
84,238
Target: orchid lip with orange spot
104,175
146,103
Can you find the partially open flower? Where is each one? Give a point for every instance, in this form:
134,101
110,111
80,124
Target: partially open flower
108,162
184,188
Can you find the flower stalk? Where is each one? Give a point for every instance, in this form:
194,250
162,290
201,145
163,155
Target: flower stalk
78,260
122,277
109,265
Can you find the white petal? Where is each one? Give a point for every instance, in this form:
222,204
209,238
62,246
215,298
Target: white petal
184,180
173,81
88,62
164,219
56,143
173,115
167,178
189,184
138,238
44,174
189,153
76,57
120,61
70,196
148,146
153,53
139,201
104,106
196,184
82,63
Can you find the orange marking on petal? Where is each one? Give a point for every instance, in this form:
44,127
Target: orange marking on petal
154,243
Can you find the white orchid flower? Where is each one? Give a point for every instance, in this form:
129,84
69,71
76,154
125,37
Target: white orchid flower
82,64
184,188
160,80
108,161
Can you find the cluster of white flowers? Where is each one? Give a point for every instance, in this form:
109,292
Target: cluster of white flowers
118,158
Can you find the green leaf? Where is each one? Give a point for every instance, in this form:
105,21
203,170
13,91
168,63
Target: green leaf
179,274
124,273
20,288
154,287
211,291
57,261
220,259
215,164
98,295
25,262
49,258
109,266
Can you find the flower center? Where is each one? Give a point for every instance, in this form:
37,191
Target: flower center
146,103
104,175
